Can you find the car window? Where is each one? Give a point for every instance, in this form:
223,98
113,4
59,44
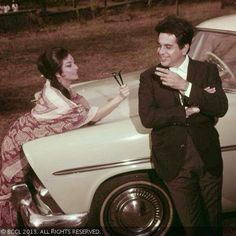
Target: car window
219,48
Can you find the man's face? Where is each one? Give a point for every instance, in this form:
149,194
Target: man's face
169,53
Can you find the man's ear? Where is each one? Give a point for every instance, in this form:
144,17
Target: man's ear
185,49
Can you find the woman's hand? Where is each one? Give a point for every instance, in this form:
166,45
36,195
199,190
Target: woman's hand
112,104
124,91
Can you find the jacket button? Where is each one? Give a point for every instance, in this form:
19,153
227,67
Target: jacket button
187,124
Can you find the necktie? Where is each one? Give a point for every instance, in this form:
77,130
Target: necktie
184,100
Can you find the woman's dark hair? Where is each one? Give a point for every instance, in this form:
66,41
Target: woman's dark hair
181,28
49,64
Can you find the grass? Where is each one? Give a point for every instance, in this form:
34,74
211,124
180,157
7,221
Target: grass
125,41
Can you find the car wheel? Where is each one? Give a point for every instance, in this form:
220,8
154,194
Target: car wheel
135,206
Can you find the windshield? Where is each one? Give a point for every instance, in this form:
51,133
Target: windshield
219,48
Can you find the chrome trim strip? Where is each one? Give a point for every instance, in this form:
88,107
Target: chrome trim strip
102,166
228,148
121,163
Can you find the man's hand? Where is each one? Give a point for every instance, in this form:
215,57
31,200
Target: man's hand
210,90
171,79
191,110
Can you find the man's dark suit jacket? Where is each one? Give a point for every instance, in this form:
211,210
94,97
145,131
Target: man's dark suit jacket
161,110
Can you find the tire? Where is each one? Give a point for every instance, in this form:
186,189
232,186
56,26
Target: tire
133,205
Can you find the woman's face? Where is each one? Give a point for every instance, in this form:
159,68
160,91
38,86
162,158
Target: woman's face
69,70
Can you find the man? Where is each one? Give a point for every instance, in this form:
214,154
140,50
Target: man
180,99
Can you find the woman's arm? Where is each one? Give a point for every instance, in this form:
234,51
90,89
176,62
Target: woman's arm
84,102
110,106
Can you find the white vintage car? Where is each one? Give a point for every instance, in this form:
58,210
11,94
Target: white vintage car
102,175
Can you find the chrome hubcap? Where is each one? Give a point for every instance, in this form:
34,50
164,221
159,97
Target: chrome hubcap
134,211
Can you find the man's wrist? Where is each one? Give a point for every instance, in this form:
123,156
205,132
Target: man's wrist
185,87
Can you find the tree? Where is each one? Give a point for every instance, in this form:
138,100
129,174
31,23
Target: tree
177,7
43,6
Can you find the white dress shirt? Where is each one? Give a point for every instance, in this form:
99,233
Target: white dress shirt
182,71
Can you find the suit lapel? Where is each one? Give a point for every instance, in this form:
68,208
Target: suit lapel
173,91
177,98
192,71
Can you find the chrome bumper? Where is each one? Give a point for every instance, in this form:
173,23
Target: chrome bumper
33,219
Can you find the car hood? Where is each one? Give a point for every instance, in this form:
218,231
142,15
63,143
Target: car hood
121,125
99,92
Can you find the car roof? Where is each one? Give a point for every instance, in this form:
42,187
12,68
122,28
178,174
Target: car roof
223,23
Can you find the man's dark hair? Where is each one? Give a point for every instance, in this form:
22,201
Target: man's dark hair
181,28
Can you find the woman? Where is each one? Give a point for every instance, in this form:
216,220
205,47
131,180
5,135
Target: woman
58,109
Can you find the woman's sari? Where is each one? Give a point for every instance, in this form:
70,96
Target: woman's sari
52,114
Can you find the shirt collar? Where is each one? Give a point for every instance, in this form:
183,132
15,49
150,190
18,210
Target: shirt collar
183,67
